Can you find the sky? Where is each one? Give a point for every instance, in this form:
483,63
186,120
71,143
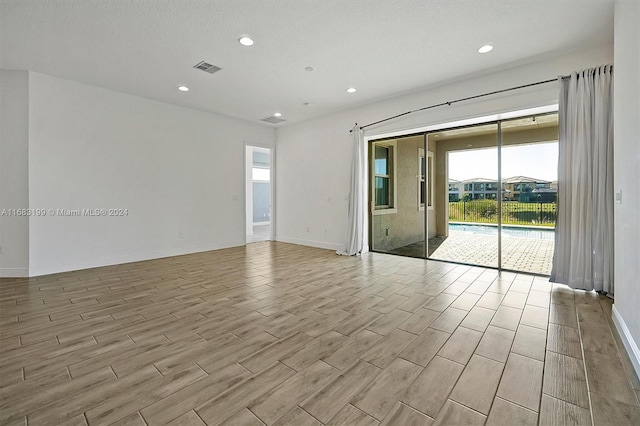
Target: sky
538,161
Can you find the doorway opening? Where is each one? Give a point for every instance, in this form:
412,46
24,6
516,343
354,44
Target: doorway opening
482,195
258,194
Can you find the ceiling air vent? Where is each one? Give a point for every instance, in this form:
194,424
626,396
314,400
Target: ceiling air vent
273,120
207,67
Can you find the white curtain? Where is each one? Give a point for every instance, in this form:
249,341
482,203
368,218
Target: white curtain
583,256
357,197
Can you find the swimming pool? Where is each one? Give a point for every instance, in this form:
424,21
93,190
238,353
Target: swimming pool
510,231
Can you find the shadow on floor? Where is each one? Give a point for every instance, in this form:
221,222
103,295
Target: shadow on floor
417,249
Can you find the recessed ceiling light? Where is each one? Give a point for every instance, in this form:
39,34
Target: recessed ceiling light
277,114
351,90
246,41
183,88
485,49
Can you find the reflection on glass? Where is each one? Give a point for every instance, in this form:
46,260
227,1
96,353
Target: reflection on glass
382,191
397,173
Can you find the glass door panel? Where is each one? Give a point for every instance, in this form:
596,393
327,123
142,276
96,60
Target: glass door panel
397,195
529,192
463,225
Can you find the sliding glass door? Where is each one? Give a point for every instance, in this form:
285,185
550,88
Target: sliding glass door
482,195
398,171
465,226
530,188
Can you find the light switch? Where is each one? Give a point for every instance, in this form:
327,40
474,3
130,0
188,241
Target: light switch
619,196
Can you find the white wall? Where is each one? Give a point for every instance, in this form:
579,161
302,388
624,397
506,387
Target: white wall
627,175
176,170
14,175
314,156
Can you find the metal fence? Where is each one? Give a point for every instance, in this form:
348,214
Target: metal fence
513,212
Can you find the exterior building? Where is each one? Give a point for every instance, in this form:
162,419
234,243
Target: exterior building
517,188
526,189
454,190
479,189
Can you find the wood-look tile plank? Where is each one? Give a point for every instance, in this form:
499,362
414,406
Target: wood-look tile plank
295,417
597,337
71,407
190,418
564,379
456,414
48,396
331,399
280,350
352,349
507,317
534,316
504,413
478,318
141,395
425,346
420,320
540,299
389,303
383,392
465,301
351,416
530,342
319,348
286,396
440,302
448,320
514,299
388,322
388,348
430,390
405,415
521,382
478,384
219,409
564,340
610,411
415,302
563,315
490,300
606,376
461,345
554,411
356,323
184,400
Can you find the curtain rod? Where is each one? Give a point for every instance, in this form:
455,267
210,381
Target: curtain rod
449,103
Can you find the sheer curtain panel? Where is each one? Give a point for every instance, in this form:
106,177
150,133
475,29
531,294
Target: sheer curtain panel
583,256
357,197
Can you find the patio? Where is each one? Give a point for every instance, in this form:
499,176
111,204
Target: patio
518,254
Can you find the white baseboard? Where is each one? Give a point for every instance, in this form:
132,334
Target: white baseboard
310,243
629,343
14,272
128,258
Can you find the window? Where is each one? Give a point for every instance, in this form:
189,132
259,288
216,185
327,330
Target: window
383,168
425,169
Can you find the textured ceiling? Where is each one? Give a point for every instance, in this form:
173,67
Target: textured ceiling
381,47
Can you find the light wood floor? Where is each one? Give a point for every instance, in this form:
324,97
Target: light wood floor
281,334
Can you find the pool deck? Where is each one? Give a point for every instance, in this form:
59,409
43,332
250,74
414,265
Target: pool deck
518,254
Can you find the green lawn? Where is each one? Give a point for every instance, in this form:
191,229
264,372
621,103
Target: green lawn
513,212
